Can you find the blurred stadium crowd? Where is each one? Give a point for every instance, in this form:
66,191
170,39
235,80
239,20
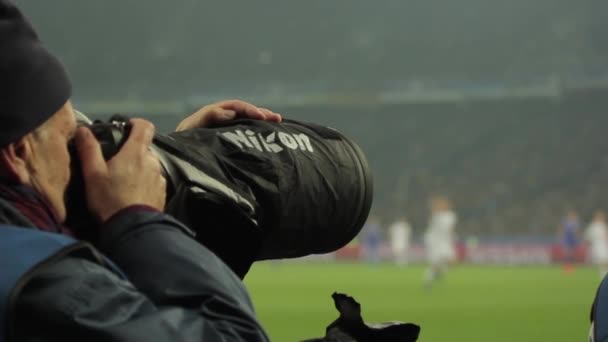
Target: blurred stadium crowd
119,48
509,166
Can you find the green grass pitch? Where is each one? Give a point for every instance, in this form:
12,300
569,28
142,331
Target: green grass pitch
472,303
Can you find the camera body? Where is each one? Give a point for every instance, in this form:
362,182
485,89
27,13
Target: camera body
250,189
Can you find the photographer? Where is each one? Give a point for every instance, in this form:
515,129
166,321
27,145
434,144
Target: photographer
148,279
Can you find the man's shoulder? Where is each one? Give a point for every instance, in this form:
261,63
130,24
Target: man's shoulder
25,248
22,239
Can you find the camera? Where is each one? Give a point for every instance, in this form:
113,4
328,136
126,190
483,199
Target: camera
250,189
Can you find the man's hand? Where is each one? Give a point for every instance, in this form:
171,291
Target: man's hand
224,111
132,176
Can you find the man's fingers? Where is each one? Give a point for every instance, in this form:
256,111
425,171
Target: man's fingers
89,153
140,138
247,110
243,109
154,160
224,111
270,115
205,116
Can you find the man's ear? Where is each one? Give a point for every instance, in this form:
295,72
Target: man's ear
13,161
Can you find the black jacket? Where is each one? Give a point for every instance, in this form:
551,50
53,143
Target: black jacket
177,290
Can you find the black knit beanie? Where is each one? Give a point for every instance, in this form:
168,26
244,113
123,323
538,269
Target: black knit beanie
33,83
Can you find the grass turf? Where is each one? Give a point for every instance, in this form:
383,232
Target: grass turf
472,303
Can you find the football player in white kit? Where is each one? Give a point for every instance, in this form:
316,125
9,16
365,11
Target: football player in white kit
439,239
400,233
596,236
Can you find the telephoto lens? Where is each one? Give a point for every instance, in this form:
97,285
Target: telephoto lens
256,190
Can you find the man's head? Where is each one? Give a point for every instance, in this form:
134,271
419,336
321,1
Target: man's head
36,116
